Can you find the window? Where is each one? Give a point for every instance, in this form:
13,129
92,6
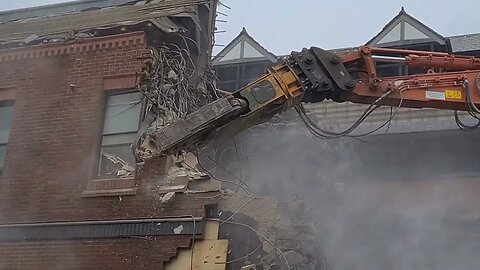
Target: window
389,70
6,113
121,124
252,71
227,73
235,76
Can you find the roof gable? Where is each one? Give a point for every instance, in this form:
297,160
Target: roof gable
405,29
243,49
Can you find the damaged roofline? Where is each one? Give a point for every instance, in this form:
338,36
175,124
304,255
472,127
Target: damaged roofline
53,9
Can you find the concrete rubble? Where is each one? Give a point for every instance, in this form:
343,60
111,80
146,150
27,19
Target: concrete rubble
292,234
283,225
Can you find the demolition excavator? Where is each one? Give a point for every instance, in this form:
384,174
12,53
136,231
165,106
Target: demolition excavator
448,82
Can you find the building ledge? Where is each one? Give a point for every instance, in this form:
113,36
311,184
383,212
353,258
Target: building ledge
110,187
109,192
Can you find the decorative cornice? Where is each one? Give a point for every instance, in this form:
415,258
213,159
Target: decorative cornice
74,47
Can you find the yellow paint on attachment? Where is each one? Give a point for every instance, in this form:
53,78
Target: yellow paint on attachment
211,230
453,94
209,254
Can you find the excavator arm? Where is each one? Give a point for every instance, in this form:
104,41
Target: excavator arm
313,75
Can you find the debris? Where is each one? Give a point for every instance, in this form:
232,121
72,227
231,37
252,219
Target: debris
292,234
189,160
114,159
172,188
174,87
249,267
182,167
123,169
84,35
199,176
204,186
171,75
178,230
177,184
31,38
168,197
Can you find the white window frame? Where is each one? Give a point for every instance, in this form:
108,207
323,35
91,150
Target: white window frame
119,138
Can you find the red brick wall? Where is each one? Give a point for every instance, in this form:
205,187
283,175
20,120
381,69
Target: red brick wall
142,254
55,135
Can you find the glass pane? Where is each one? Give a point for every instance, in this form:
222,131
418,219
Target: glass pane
116,161
250,52
122,114
227,73
118,139
3,151
6,114
389,70
232,54
413,33
253,71
393,35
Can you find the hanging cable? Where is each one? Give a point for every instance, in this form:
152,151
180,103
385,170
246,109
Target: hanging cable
472,110
392,115
326,134
464,126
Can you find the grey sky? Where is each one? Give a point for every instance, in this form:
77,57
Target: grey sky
285,25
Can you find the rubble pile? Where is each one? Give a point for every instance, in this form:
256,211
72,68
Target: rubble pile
285,233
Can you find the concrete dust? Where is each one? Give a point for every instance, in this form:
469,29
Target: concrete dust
366,218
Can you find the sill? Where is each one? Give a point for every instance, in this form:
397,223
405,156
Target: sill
110,187
109,193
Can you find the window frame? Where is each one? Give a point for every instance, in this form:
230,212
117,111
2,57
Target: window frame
101,146
240,80
7,103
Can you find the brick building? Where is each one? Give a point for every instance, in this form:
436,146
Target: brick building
81,81
71,78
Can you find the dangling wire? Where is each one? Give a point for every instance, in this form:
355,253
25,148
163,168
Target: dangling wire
473,110
327,134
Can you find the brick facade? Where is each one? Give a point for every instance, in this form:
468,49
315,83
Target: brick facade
52,154
142,254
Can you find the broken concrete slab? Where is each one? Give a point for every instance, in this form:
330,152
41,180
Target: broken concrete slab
168,197
189,160
178,184
197,186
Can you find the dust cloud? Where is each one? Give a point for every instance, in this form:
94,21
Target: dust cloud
403,203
